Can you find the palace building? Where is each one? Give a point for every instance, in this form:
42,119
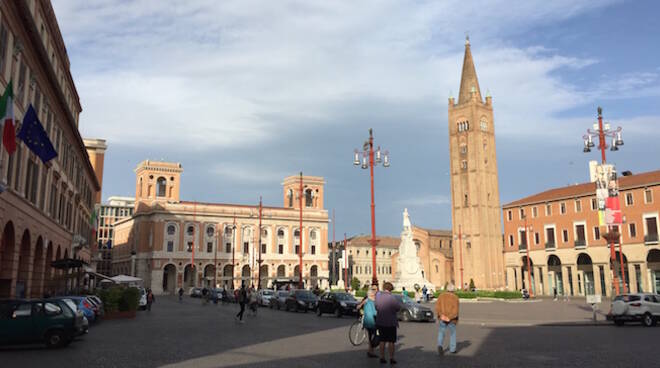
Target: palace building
568,249
44,209
474,184
171,243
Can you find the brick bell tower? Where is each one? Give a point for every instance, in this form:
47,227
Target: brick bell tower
474,184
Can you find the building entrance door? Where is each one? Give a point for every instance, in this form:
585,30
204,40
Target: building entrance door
655,276
559,283
589,288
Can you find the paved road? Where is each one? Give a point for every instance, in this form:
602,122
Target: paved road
191,335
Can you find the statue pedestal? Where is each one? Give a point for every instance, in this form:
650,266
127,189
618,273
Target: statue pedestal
409,266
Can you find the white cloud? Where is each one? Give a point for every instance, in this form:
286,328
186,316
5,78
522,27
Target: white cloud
204,74
247,173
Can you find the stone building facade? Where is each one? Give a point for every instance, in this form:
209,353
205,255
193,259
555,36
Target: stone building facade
171,243
567,247
44,209
361,262
115,209
474,182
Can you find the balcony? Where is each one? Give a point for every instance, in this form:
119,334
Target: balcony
550,245
522,247
580,243
651,239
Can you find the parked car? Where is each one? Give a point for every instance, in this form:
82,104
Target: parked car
278,301
303,300
413,311
84,328
85,306
640,307
264,296
95,299
50,321
337,303
194,292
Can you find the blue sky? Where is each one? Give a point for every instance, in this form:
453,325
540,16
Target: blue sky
244,93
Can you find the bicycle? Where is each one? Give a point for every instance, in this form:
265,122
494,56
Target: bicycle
357,333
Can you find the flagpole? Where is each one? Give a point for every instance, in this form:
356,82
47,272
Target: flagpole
192,259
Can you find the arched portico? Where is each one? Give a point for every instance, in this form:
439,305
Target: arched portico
169,279
653,262
36,288
585,268
7,256
24,263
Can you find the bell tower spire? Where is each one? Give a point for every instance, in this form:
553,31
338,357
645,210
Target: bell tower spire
469,82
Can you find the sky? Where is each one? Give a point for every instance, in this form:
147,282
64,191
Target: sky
244,93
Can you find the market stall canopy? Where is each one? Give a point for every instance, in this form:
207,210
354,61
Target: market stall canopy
125,279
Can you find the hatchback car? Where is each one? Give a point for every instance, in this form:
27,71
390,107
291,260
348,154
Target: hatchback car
96,300
74,307
638,307
264,296
412,311
300,300
194,292
85,306
50,321
337,303
278,301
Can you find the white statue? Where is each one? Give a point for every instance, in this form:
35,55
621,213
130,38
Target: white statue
409,267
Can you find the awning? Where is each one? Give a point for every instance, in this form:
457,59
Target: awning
125,279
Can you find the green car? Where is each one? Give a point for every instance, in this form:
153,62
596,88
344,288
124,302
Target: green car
50,321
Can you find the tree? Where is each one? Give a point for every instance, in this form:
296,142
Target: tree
472,287
355,283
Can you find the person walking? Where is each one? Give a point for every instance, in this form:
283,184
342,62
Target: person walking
447,310
425,293
242,299
180,295
224,295
404,294
252,298
150,299
387,308
368,306
554,291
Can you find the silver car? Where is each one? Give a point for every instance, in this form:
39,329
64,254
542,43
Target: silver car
279,299
264,296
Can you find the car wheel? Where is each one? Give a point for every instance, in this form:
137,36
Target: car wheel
338,312
406,316
56,339
648,320
619,322
318,311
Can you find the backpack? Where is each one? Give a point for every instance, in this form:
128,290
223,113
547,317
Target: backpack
369,319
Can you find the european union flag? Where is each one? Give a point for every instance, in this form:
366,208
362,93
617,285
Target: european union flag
35,137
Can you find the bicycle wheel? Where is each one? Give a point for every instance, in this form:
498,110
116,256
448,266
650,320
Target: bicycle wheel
356,333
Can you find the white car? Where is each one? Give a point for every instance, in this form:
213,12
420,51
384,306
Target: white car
640,307
264,296
143,298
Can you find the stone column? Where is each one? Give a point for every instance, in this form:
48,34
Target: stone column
632,276
536,281
597,289
646,277
564,276
608,279
547,284
574,273
511,279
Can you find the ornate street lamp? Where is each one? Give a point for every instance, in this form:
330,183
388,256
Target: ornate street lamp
371,158
604,131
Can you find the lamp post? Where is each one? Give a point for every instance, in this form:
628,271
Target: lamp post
529,268
345,263
233,251
603,131
300,250
371,158
259,260
333,250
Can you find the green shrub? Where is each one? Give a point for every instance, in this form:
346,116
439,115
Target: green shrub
130,299
360,293
355,283
119,299
508,294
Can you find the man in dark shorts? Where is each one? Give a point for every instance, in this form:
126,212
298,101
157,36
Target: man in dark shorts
387,308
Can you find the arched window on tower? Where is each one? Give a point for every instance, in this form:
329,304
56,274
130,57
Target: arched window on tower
309,198
140,188
161,185
290,195
465,200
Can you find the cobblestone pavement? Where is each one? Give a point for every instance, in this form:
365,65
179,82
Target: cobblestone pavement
188,334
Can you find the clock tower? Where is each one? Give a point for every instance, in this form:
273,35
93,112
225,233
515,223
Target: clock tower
474,184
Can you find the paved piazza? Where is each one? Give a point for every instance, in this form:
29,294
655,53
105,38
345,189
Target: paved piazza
192,335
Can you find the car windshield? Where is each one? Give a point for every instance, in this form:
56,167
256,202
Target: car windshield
304,294
71,304
344,296
267,292
283,293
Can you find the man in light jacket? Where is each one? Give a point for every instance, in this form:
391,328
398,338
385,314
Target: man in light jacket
447,311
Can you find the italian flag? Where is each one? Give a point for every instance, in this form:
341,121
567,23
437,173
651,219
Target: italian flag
7,116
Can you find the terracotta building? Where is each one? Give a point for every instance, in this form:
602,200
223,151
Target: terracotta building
171,243
474,182
567,247
45,209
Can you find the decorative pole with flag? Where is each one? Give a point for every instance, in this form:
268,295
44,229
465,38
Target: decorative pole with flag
7,116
